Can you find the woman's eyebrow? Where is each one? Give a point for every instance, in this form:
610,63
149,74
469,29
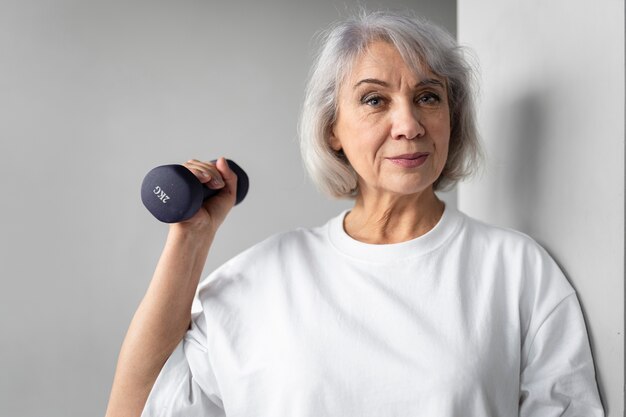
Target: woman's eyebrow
422,83
430,82
371,81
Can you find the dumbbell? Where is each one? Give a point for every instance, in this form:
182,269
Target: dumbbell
173,194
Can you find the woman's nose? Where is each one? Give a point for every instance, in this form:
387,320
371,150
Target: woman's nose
406,122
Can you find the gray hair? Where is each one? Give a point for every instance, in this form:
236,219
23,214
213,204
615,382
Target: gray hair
421,44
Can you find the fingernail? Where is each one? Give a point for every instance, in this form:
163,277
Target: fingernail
216,182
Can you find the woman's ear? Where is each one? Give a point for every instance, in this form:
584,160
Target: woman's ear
334,142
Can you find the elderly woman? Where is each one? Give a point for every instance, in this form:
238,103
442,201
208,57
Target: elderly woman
401,306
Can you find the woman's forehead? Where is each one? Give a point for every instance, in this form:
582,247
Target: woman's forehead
382,63
383,60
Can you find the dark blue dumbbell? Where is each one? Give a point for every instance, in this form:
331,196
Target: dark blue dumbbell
173,194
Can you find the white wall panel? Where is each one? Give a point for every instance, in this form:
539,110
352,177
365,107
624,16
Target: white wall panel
552,120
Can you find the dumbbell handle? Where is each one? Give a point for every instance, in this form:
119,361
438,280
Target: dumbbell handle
243,183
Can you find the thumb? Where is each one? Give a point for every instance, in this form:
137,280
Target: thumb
228,175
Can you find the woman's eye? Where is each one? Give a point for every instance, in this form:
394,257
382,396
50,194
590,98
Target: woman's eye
429,98
373,101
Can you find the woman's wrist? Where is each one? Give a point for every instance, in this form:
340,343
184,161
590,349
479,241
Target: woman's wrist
190,235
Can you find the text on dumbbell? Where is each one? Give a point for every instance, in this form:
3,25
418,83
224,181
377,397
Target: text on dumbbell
161,194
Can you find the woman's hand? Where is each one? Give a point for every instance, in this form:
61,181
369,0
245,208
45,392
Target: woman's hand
217,176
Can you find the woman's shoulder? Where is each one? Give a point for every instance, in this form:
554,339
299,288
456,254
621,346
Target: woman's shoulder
492,235
263,266
507,249
279,248
281,243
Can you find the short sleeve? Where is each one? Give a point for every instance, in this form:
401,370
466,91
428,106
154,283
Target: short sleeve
558,376
186,385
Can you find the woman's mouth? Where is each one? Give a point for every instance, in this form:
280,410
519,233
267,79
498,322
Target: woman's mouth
412,160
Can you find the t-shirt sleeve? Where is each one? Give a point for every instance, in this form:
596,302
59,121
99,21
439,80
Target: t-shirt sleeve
558,376
186,385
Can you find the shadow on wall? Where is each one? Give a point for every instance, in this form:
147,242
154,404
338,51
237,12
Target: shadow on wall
522,134
521,150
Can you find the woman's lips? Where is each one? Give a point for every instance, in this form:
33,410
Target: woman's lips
412,160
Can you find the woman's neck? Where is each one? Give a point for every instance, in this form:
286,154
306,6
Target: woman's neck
393,219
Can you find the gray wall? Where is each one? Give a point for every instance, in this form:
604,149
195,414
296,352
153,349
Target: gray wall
552,118
92,95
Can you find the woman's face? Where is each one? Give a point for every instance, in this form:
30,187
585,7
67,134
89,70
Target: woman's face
392,124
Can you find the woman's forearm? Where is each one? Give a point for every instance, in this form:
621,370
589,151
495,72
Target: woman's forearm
161,320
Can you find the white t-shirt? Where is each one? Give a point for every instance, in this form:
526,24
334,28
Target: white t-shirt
467,320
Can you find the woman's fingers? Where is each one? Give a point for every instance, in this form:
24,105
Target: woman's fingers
206,172
218,176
